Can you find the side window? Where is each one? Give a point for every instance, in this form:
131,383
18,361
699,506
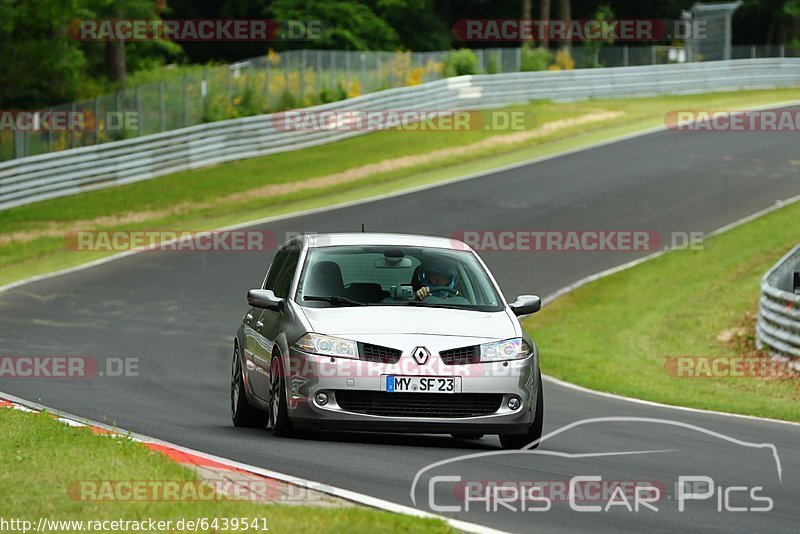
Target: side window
275,269
287,273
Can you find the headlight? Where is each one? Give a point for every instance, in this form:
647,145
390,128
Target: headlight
327,345
509,349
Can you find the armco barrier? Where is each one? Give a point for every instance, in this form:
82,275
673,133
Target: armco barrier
778,325
68,172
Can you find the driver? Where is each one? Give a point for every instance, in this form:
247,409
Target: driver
438,279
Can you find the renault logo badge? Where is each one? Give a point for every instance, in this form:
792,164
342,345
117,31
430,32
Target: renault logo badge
421,355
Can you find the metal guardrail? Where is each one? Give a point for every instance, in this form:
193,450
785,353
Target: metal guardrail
778,324
72,171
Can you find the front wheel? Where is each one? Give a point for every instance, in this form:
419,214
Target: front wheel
278,412
518,441
242,414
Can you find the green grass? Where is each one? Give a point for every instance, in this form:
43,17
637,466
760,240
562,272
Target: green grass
195,190
615,334
41,458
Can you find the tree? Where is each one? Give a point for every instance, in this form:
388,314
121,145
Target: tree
544,14
115,60
349,25
565,13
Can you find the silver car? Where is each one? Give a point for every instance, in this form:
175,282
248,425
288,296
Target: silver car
388,333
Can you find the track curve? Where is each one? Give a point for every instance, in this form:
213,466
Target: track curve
177,313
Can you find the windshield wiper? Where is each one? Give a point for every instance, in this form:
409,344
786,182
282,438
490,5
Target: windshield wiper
335,300
432,305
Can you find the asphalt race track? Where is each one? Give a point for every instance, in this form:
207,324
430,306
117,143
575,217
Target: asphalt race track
177,312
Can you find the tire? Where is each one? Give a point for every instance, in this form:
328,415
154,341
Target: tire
467,436
278,411
242,414
518,441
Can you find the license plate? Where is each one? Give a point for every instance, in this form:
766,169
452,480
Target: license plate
420,384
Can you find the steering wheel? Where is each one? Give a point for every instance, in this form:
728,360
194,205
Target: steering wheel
450,290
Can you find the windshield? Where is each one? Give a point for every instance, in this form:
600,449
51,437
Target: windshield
395,276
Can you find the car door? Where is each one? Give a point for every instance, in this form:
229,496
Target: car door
268,325
256,347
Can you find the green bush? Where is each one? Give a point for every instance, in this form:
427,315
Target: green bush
534,59
460,62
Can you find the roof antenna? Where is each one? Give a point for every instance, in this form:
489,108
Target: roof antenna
362,228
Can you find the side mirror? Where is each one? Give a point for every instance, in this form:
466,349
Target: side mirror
263,298
526,304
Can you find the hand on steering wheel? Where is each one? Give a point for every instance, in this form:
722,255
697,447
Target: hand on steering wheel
425,292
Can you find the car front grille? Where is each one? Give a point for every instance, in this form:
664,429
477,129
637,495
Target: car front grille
439,405
377,353
461,356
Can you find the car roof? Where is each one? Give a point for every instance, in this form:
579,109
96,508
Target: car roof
380,239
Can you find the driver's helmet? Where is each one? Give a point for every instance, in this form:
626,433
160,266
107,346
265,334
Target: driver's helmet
437,273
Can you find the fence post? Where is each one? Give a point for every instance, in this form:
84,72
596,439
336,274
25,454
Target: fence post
625,58
302,77
185,100
782,51
227,83
652,55
19,144
347,74
318,77
161,110
97,120
138,98
332,78
74,134
363,58
518,58
267,76
753,51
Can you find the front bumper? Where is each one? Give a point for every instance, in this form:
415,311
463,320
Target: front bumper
310,374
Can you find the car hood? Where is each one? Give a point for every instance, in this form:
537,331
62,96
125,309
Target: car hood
343,321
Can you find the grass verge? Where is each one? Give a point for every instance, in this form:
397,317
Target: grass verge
32,236
41,458
615,334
